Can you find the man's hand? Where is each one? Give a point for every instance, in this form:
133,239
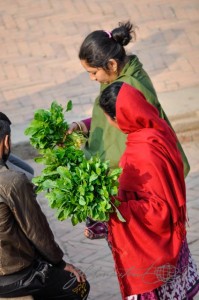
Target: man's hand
81,277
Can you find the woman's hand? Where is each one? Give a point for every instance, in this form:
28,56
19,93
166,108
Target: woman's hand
73,127
81,277
78,126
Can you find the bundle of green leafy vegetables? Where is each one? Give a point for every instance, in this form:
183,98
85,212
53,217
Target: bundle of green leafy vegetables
75,187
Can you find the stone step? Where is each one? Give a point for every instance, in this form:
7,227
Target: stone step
188,136
186,123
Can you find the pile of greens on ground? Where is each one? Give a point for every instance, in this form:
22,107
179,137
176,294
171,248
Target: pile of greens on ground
75,187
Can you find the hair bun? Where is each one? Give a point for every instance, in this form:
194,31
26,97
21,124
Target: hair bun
124,33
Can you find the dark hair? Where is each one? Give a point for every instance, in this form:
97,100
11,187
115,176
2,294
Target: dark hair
4,126
108,97
98,47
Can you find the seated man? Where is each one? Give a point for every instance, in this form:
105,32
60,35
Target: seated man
31,261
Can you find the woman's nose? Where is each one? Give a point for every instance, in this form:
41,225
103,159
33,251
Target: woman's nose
92,77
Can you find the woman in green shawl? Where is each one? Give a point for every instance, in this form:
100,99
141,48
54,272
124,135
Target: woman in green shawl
103,56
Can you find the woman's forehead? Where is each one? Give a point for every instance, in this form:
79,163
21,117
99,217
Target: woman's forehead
89,68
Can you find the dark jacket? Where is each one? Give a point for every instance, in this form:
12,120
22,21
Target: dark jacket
24,230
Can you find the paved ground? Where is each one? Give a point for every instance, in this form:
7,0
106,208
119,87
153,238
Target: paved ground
39,63
94,257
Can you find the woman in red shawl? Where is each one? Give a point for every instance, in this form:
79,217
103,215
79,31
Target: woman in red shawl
151,254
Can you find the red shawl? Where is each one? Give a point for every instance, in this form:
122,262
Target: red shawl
152,195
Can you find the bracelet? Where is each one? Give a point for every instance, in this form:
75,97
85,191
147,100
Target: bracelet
79,126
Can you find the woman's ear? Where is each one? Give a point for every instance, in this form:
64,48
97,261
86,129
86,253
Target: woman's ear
113,66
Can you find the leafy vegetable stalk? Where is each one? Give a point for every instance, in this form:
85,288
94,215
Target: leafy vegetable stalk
75,187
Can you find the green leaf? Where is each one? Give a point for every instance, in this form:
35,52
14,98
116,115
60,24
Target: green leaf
63,171
75,187
69,105
62,215
114,191
93,177
116,172
39,160
117,203
47,184
82,201
74,220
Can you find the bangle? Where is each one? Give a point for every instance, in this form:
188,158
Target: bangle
79,126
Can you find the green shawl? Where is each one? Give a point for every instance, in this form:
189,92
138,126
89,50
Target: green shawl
108,142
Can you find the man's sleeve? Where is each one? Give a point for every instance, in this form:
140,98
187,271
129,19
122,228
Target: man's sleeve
32,220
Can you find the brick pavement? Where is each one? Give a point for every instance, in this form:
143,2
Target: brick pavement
40,41
94,257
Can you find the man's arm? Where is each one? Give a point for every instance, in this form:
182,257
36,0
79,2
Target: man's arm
32,220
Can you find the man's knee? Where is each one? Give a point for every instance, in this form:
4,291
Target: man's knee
87,287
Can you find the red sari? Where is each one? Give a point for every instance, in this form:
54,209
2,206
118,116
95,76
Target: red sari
152,194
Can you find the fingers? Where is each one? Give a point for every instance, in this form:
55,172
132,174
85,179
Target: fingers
89,234
73,127
78,126
86,232
81,277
